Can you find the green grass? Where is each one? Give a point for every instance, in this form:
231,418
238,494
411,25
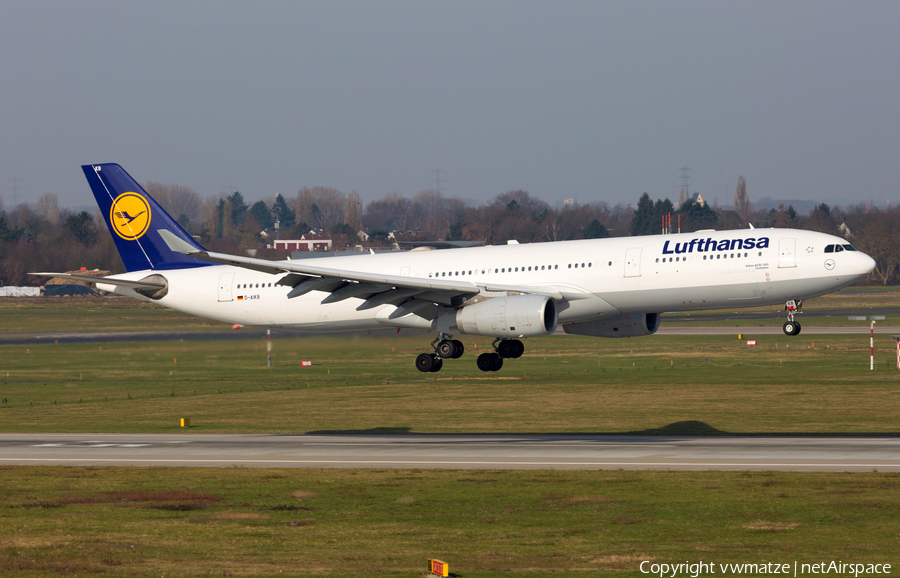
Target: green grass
93,314
58,521
193,522
657,384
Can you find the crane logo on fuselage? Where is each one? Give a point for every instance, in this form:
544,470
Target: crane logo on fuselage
710,245
130,216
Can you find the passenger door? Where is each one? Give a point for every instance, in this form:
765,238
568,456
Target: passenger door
787,253
225,281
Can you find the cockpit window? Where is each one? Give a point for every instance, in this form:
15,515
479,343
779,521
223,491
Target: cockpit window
849,248
829,249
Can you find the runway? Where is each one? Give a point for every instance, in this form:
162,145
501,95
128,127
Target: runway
496,452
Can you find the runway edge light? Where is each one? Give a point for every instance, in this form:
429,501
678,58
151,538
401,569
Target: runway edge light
438,568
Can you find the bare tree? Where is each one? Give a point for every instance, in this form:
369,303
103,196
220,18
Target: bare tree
178,200
742,204
879,236
388,214
45,203
320,207
353,213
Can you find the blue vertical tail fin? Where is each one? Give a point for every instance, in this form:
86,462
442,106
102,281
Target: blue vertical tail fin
135,219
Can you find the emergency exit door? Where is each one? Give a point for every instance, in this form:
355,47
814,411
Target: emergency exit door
633,262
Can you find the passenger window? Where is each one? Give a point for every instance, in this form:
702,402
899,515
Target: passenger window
610,263
829,249
704,257
589,264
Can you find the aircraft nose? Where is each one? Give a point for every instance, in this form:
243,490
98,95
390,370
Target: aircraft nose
867,264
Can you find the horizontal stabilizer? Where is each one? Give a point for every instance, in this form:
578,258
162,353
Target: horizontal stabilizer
104,280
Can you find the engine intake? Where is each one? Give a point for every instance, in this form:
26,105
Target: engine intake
511,316
624,326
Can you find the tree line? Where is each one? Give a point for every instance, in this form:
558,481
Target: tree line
48,237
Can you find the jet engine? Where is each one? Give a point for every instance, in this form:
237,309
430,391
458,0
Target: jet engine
624,326
510,316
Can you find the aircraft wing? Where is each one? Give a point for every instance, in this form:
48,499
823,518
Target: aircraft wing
413,294
105,280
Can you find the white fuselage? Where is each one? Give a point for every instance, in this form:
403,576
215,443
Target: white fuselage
599,279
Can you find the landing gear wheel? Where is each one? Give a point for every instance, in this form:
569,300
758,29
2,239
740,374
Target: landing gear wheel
446,349
791,328
438,364
460,349
520,349
485,361
425,362
507,348
496,362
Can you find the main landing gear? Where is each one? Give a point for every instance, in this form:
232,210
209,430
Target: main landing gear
792,327
445,347
503,349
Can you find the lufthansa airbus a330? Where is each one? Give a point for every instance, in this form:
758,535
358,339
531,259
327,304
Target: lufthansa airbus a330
599,287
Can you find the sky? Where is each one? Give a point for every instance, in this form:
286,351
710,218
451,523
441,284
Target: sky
596,101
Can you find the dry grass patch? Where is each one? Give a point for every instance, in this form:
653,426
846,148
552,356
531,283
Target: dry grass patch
304,494
770,526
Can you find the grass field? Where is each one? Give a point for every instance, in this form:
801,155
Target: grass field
91,314
186,522
57,521
657,384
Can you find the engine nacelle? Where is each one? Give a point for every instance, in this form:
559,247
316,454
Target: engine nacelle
624,326
512,316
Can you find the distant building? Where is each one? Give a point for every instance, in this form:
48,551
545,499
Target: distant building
318,243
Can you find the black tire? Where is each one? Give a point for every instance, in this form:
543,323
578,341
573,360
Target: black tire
460,349
438,364
425,361
507,348
790,328
520,349
446,349
485,361
496,362
797,328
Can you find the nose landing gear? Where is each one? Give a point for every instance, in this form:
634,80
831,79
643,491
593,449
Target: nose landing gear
792,327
